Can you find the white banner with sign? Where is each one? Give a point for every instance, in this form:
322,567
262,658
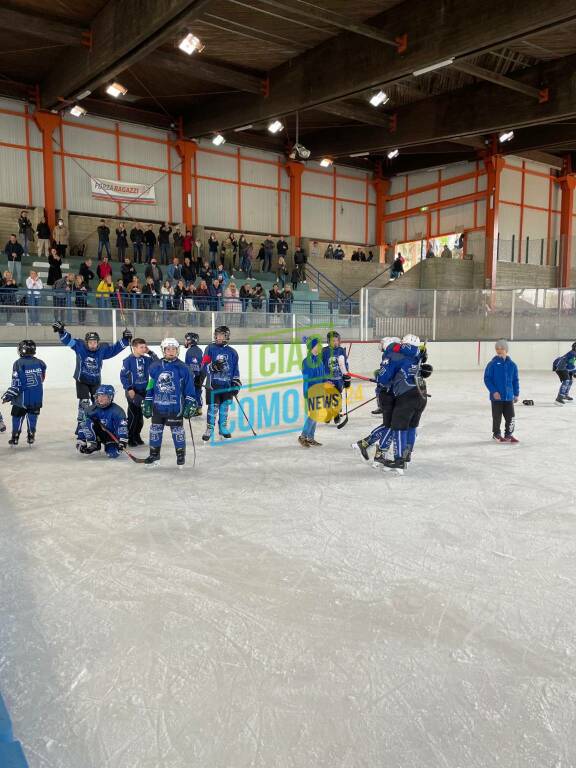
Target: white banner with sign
124,191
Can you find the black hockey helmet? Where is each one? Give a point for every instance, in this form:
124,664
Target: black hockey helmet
574,347
27,347
92,336
332,336
190,339
224,330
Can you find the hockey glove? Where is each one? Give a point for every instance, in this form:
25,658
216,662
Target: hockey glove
236,386
147,409
189,409
347,379
58,327
127,335
426,370
10,395
218,366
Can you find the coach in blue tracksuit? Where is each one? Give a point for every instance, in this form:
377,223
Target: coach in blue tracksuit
134,377
501,380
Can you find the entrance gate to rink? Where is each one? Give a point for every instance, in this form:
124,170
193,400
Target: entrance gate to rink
521,314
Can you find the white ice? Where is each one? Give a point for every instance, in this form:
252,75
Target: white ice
286,608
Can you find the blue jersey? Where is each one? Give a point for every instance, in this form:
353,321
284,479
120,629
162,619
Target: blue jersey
391,353
135,371
170,387
28,374
399,370
226,355
112,418
566,362
89,364
334,358
193,360
501,375
313,372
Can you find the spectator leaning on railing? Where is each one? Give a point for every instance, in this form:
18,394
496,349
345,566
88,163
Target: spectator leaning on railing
86,273
127,270
14,253
80,298
34,285
61,287
8,296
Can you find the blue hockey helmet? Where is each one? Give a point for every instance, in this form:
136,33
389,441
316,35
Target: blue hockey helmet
106,392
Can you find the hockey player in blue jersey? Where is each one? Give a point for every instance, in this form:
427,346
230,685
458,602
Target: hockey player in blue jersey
565,367
169,399
102,418
26,391
314,372
221,373
193,360
335,361
134,376
90,355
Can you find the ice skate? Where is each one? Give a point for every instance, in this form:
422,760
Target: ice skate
498,439
397,465
313,443
304,441
180,457
208,433
31,437
560,400
361,447
379,461
14,439
510,439
154,457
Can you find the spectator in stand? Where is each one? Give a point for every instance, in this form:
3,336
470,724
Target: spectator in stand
246,257
281,271
459,244
446,252
282,247
120,294
150,243
268,254
43,238
429,252
103,239
370,256
329,252
397,267
8,296
175,271
179,295
137,240
25,232
362,255
257,297
61,287
234,244
80,298
275,299
245,295
300,260
260,258
187,271
226,256
86,273
149,294
127,270
121,242
232,299
34,285
202,296
60,237
197,254
189,298
355,255
167,295
154,271
187,244
295,277
205,272
222,276
178,242
103,292
213,249
287,299
14,253
104,268
135,292
339,253
55,268
164,242
216,292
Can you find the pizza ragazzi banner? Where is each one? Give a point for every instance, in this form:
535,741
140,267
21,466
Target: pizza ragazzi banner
123,191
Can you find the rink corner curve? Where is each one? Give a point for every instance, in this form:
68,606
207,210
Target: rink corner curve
11,753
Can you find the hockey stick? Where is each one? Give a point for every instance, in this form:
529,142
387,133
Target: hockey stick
121,448
345,419
122,314
343,424
193,443
362,378
244,414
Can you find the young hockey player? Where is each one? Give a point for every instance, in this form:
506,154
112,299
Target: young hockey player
335,361
501,380
102,418
169,399
134,377
90,355
26,391
313,372
193,360
220,370
565,367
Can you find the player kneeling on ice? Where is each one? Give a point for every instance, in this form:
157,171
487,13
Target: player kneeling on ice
104,425
335,361
501,380
315,383
565,368
169,400
25,392
193,360
220,369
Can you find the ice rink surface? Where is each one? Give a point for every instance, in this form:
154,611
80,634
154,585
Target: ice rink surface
288,608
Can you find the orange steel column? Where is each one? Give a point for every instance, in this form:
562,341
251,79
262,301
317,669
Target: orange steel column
295,171
47,123
187,150
382,187
567,185
494,167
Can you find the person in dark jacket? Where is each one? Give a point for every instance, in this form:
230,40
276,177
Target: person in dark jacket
287,299
300,260
268,254
257,296
80,298
43,238
397,267
202,296
213,249
8,296
127,270
25,232
565,369
155,273
121,242
103,239
501,380
61,287
86,273
164,242
274,299
339,253
14,253
137,240
150,241
216,292
55,269
187,271
282,246
178,243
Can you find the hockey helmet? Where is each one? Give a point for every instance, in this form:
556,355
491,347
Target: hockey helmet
387,340
332,336
104,395
224,331
27,347
169,342
92,336
411,339
190,339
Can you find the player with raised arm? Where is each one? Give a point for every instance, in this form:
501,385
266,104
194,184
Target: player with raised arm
104,425
335,361
134,377
90,355
565,368
221,373
26,391
169,400
193,360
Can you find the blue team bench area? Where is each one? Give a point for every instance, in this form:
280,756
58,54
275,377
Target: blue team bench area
11,753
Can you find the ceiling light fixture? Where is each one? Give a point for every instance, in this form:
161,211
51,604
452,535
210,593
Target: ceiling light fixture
116,89
393,153
505,136
275,126
433,67
379,98
218,140
326,162
82,95
78,111
243,128
191,44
